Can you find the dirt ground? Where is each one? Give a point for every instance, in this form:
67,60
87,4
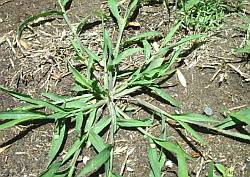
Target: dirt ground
42,68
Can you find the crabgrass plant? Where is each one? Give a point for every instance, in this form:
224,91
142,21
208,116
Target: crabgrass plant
96,95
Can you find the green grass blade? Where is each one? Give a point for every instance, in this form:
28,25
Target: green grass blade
57,141
125,54
91,54
126,92
32,18
187,39
192,132
77,145
182,165
165,96
90,121
143,36
80,78
193,117
101,124
113,6
154,160
147,50
54,97
131,8
64,3
211,169
12,123
96,141
172,147
243,115
156,63
96,162
31,100
79,122
21,115
51,171
170,35
134,123
77,48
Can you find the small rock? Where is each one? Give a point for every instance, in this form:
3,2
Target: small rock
208,111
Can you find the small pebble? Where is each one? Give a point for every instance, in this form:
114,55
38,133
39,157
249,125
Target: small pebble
208,111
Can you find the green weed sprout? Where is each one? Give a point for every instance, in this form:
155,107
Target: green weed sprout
96,95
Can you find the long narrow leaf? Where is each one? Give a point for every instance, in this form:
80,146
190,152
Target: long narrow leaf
32,18
182,165
170,35
21,115
80,78
57,141
134,123
195,134
143,36
96,162
77,144
113,6
125,54
96,141
154,160
12,123
165,96
243,115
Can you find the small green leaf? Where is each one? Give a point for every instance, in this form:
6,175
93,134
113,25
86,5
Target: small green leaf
125,54
187,39
134,123
154,160
193,117
96,162
12,123
243,115
153,65
21,115
32,18
211,169
64,2
147,50
77,145
79,122
113,6
101,124
172,147
195,134
170,35
182,165
80,78
131,8
90,121
57,141
127,91
81,24
165,96
96,141
143,36
51,171
29,99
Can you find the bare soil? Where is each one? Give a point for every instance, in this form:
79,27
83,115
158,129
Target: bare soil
25,147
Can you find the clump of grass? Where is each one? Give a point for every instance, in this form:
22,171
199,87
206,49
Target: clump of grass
96,95
245,27
203,15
